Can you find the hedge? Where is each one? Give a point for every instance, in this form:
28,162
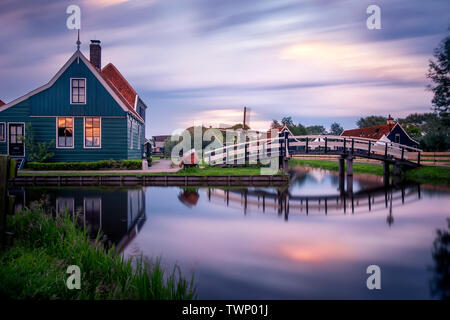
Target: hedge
97,165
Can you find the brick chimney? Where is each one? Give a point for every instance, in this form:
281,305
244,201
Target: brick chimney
96,54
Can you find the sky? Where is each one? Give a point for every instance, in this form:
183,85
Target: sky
202,61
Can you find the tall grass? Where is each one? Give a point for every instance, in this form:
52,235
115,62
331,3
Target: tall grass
35,267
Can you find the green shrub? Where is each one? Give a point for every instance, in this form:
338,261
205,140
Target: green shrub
97,165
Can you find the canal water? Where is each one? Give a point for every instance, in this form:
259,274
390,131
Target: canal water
305,242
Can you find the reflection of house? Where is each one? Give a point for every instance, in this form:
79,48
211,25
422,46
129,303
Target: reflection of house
189,198
86,112
391,131
158,143
115,212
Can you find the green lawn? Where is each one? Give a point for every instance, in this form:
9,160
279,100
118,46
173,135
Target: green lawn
424,174
35,266
371,168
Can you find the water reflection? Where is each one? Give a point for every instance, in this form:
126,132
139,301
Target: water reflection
440,283
306,241
117,212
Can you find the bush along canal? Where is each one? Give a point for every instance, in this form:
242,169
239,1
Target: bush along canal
240,242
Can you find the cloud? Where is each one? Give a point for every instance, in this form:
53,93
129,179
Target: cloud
312,59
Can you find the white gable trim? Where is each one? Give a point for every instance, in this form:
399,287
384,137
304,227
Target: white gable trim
398,124
46,86
94,71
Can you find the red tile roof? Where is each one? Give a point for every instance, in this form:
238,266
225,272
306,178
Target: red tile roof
375,132
120,86
1,103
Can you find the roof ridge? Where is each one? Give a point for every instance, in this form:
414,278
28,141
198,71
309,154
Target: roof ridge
121,75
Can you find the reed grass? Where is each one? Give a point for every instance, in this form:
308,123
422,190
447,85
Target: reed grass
35,266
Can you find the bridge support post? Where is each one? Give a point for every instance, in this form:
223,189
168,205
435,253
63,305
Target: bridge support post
285,164
396,170
341,174
386,173
350,174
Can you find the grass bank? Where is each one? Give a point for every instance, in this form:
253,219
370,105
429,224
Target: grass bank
35,267
424,174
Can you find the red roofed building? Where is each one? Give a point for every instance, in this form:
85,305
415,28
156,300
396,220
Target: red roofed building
392,131
1,103
85,113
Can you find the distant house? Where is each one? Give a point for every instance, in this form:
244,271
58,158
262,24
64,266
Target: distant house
88,112
391,131
158,143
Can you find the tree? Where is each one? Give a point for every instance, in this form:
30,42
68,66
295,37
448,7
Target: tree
315,130
439,73
336,129
371,121
287,121
37,151
299,130
275,124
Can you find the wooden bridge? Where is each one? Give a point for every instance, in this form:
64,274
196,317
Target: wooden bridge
283,146
286,204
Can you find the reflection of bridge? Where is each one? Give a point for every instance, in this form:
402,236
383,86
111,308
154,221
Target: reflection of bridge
250,151
283,202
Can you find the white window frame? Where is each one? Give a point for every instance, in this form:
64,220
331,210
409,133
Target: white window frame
7,135
395,137
4,132
85,91
84,134
73,134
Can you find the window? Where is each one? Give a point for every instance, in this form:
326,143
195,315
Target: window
77,91
131,135
92,132
2,132
397,138
64,205
65,132
93,214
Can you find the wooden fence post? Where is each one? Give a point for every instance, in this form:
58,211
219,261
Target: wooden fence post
8,171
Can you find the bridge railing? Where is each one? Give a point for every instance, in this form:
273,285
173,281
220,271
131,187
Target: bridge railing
353,145
258,149
245,152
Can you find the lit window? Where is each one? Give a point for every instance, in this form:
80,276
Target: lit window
65,132
2,131
78,91
92,132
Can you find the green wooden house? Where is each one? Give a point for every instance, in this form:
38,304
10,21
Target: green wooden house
88,113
